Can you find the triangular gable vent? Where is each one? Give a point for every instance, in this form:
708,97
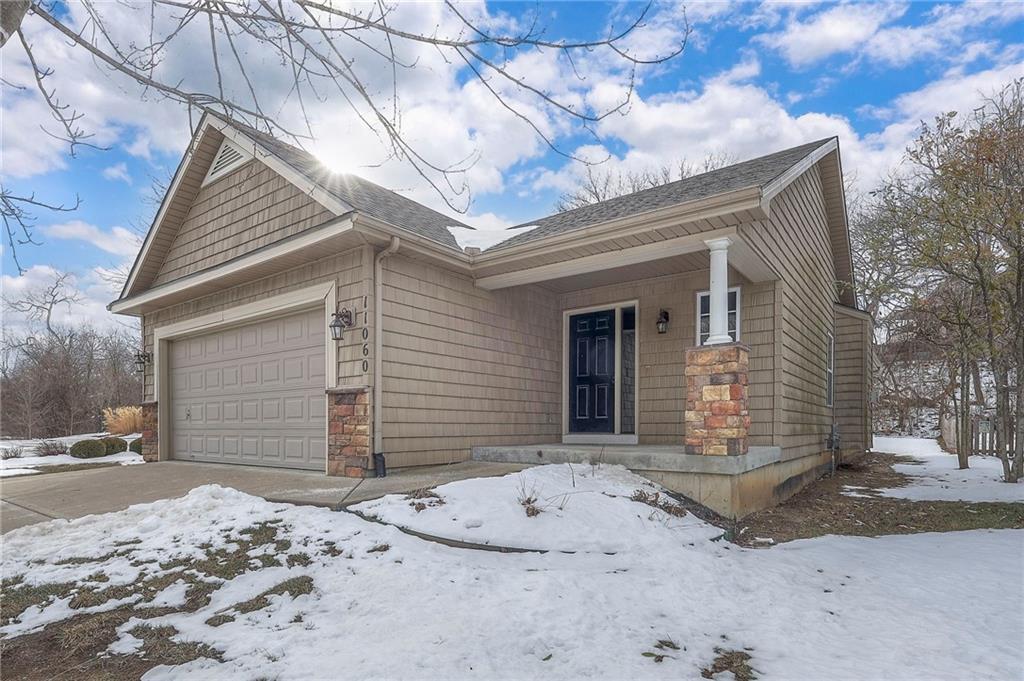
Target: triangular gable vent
228,157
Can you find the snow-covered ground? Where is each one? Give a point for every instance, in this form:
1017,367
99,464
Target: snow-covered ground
937,477
388,605
581,508
27,463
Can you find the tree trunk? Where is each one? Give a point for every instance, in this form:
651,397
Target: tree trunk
1018,448
963,451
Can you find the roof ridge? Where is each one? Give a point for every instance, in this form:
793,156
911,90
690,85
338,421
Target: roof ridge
675,183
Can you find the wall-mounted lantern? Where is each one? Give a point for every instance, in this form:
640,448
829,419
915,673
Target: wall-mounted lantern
662,321
342,319
141,360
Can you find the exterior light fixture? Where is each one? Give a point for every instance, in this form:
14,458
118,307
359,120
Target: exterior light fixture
662,321
342,319
141,360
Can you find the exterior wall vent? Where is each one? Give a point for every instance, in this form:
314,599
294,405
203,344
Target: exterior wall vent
228,157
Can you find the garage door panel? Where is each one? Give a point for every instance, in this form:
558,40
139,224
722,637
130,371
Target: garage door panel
252,394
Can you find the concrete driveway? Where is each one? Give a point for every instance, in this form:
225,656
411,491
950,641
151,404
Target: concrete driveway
29,499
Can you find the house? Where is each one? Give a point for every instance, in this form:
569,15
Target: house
702,333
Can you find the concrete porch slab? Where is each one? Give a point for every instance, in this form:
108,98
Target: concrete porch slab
663,458
73,494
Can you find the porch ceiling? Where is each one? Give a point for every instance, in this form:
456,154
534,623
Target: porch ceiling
679,264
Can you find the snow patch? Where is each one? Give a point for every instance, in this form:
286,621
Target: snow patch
26,464
582,508
485,238
937,476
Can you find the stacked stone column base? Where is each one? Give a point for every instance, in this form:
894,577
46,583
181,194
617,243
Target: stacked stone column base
717,418
348,432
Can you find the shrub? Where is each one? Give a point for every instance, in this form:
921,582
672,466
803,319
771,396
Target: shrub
10,453
123,420
136,446
115,445
88,449
51,448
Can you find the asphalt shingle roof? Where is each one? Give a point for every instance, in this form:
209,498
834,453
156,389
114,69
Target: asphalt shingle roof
364,196
756,172
372,199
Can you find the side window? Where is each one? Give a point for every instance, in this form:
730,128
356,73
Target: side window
830,368
704,315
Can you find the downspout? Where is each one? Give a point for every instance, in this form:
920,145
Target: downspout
380,467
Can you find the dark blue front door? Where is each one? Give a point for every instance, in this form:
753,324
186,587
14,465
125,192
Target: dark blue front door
592,372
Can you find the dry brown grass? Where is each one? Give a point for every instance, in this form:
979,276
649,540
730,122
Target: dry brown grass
822,508
123,420
735,661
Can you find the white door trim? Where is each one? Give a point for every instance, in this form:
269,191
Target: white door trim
604,438
233,316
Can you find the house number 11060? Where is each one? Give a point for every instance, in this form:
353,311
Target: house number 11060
366,336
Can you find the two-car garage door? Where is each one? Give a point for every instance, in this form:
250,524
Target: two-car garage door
252,394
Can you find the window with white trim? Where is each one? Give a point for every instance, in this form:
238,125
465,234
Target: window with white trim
228,157
830,369
704,315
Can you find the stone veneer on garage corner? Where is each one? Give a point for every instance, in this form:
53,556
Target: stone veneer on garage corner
348,432
717,415
150,449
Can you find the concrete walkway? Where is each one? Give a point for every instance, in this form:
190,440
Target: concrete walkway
29,499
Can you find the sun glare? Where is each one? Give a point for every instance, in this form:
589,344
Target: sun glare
335,163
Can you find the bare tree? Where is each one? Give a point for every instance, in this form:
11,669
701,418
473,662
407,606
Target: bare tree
960,208
600,183
326,52
39,304
57,379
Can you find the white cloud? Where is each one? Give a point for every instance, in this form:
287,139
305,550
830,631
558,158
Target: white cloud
118,171
841,28
117,240
747,120
867,32
93,290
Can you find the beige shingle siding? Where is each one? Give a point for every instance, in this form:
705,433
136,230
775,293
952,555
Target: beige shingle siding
246,209
853,380
661,380
463,366
351,270
795,240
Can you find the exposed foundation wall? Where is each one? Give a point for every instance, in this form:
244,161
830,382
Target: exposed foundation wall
737,496
661,366
465,367
795,240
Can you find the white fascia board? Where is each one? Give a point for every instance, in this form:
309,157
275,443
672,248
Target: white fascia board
310,238
690,243
746,199
769,191
186,160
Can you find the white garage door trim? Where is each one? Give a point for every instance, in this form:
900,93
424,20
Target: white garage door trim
273,306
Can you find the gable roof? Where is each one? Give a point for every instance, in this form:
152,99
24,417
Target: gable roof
364,196
757,172
347,196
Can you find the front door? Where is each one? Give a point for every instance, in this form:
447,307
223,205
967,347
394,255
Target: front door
592,372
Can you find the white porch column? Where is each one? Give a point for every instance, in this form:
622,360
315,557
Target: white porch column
719,291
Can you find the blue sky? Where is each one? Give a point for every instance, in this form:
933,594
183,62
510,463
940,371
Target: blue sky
754,78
